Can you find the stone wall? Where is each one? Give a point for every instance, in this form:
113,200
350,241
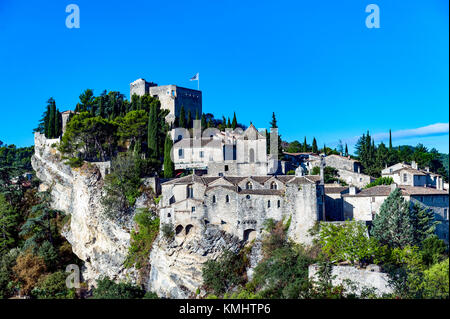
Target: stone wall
371,277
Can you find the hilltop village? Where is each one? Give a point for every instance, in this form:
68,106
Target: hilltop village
161,195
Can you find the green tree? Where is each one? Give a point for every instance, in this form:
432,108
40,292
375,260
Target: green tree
234,123
436,281
393,225
133,126
182,118
189,120
168,164
108,289
305,146
152,136
423,223
315,150
9,222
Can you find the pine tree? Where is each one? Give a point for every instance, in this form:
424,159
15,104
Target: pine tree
182,118
393,225
168,164
423,223
315,150
234,123
152,136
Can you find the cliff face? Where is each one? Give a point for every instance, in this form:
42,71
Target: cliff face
176,265
99,242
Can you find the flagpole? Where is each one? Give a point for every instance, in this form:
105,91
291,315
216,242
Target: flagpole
198,82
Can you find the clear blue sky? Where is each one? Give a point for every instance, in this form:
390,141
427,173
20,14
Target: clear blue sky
314,63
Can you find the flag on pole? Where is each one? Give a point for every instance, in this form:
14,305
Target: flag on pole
195,77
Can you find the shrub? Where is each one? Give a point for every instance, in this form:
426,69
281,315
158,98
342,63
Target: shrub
167,230
53,286
108,289
347,242
142,239
380,181
433,250
29,269
436,281
221,274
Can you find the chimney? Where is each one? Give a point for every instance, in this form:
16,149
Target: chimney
352,190
439,183
414,164
393,187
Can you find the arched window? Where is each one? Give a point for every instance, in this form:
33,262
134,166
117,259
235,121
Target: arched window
249,185
251,155
273,185
268,204
227,199
190,191
214,198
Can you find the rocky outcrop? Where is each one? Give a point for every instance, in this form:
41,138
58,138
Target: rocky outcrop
176,265
101,243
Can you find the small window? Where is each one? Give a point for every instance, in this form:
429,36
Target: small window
172,200
180,153
248,196
201,154
278,203
405,177
445,214
180,137
268,204
214,198
273,185
226,168
373,199
168,215
249,185
193,209
227,199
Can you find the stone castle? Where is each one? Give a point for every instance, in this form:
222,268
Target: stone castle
172,97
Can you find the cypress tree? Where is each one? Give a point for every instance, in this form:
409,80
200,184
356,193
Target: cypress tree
168,164
393,225
182,119
423,223
189,120
152,136
47,121
390,140
229,123
324,149
305,146
203,122
58,123
346,150
314,146
52,120
273,123
234,123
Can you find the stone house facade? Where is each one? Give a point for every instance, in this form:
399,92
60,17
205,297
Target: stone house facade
411,175
241,205
364,205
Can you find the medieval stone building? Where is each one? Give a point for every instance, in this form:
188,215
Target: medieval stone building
241,205
172,97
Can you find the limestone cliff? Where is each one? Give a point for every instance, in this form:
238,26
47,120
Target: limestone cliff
175,265
99,242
